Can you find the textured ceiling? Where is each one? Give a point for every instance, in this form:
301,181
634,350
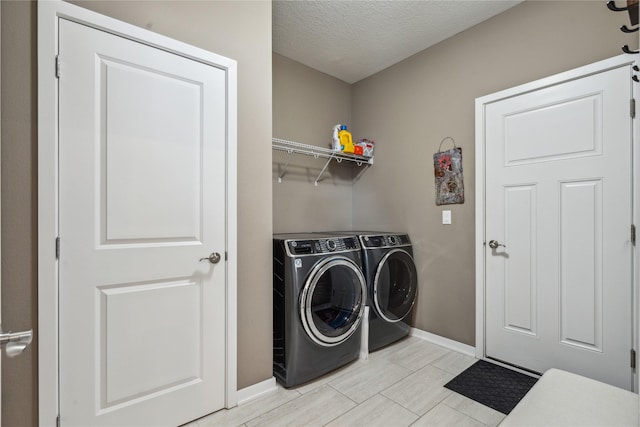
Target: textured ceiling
352,40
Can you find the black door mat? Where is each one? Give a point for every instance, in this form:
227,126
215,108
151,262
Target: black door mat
492,385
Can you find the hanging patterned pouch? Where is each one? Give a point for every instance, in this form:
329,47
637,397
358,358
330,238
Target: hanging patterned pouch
447,168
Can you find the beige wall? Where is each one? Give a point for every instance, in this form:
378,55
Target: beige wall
19,204
239,30
409,108
306,106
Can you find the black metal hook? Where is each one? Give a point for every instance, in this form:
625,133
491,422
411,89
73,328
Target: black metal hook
612,6
626,29
626,49
635,78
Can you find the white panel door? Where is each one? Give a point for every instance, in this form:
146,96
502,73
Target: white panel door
559,198
142,200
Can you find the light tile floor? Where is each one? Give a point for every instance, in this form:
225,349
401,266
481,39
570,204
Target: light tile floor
400,385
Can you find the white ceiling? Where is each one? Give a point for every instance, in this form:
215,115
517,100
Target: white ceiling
352,40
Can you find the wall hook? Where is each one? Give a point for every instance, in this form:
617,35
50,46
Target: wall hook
626,29
635,78
632,8
626,49
612,6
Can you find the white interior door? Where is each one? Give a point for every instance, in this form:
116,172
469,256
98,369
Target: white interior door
142,199
559,198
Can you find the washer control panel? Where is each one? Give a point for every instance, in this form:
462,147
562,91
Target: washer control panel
323,246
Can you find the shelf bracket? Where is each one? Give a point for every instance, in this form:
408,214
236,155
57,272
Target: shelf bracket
323,169
284,169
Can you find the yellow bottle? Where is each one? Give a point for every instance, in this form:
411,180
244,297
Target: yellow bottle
346,141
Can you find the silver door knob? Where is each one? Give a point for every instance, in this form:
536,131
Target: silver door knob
15,342
214,258
493,244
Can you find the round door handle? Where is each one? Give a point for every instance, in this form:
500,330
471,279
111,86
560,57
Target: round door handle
493,244
214,258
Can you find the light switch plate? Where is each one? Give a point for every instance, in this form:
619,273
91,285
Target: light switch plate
446,217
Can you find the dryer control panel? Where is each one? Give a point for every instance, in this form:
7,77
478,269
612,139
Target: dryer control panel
385,240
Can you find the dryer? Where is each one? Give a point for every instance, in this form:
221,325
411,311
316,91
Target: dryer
392,285
319,295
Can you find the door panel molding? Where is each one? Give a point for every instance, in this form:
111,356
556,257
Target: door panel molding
480,163
49,13
580,209
520,222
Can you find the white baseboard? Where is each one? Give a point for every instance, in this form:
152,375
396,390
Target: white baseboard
444,342
247,394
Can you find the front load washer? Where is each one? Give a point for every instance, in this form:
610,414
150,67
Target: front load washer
319,295
392,285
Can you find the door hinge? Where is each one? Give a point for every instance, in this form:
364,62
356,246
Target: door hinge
633,359
57,247
57,66
58,421
633,108
633,234
226,255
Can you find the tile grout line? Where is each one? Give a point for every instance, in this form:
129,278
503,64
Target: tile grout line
344,413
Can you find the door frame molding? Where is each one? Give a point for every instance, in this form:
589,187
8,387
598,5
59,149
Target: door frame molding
597,67
49,13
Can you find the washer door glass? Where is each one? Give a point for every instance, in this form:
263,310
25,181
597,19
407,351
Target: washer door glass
332,301
395,285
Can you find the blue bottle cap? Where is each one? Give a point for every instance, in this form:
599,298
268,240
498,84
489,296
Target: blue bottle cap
343,127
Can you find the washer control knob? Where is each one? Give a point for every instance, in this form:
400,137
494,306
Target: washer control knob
393,240
331,245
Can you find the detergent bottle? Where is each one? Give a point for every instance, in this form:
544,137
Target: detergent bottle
335,142
346,140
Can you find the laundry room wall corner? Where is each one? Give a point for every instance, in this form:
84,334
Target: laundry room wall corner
306,105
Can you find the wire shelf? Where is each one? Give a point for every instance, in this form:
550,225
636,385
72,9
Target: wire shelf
292,147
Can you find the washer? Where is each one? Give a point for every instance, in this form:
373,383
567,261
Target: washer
392,285
319,295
